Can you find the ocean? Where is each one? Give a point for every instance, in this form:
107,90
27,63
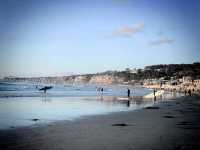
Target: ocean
22,104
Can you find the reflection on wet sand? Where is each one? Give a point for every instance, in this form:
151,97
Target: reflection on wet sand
139,100
21,110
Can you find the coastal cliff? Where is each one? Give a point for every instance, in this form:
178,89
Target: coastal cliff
172,74
75,79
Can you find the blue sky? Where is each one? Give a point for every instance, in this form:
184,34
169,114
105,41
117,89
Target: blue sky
46,37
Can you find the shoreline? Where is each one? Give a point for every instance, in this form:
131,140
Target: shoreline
168,125
129,103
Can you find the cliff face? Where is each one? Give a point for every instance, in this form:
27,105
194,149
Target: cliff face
78,79
94,79
126,77
103,79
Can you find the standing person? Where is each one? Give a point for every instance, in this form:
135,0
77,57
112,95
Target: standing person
154,94
189,92
128,92
102,90
99,89
185,92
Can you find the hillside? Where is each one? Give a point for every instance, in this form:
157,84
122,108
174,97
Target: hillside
120,77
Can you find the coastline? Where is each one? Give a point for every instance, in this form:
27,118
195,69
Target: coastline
166,125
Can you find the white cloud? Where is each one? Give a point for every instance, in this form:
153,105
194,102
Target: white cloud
162,41
128,31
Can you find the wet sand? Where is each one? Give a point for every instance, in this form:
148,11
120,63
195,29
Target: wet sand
169,125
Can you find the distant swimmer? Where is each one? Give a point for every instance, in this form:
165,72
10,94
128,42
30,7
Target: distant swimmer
46,88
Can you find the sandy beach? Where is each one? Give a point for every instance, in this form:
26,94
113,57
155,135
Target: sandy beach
170,125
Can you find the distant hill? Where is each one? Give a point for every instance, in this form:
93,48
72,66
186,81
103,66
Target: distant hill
172,70
165,71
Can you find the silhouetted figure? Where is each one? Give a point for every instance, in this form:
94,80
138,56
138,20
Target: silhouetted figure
128,92
98,89
45,88
189,92
154,94
101,91
185,92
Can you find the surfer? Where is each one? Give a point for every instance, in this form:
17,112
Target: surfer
45,88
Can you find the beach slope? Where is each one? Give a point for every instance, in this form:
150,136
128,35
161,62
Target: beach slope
169,125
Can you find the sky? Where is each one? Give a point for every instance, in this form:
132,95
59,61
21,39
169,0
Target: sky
61,37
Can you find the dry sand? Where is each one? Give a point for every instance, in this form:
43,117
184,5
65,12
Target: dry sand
169,125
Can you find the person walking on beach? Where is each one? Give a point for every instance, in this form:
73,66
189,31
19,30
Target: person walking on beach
189,92
128,92
154,94
101,90
185,92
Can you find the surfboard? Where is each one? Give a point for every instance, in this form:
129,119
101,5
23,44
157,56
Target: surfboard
46,88
158,93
